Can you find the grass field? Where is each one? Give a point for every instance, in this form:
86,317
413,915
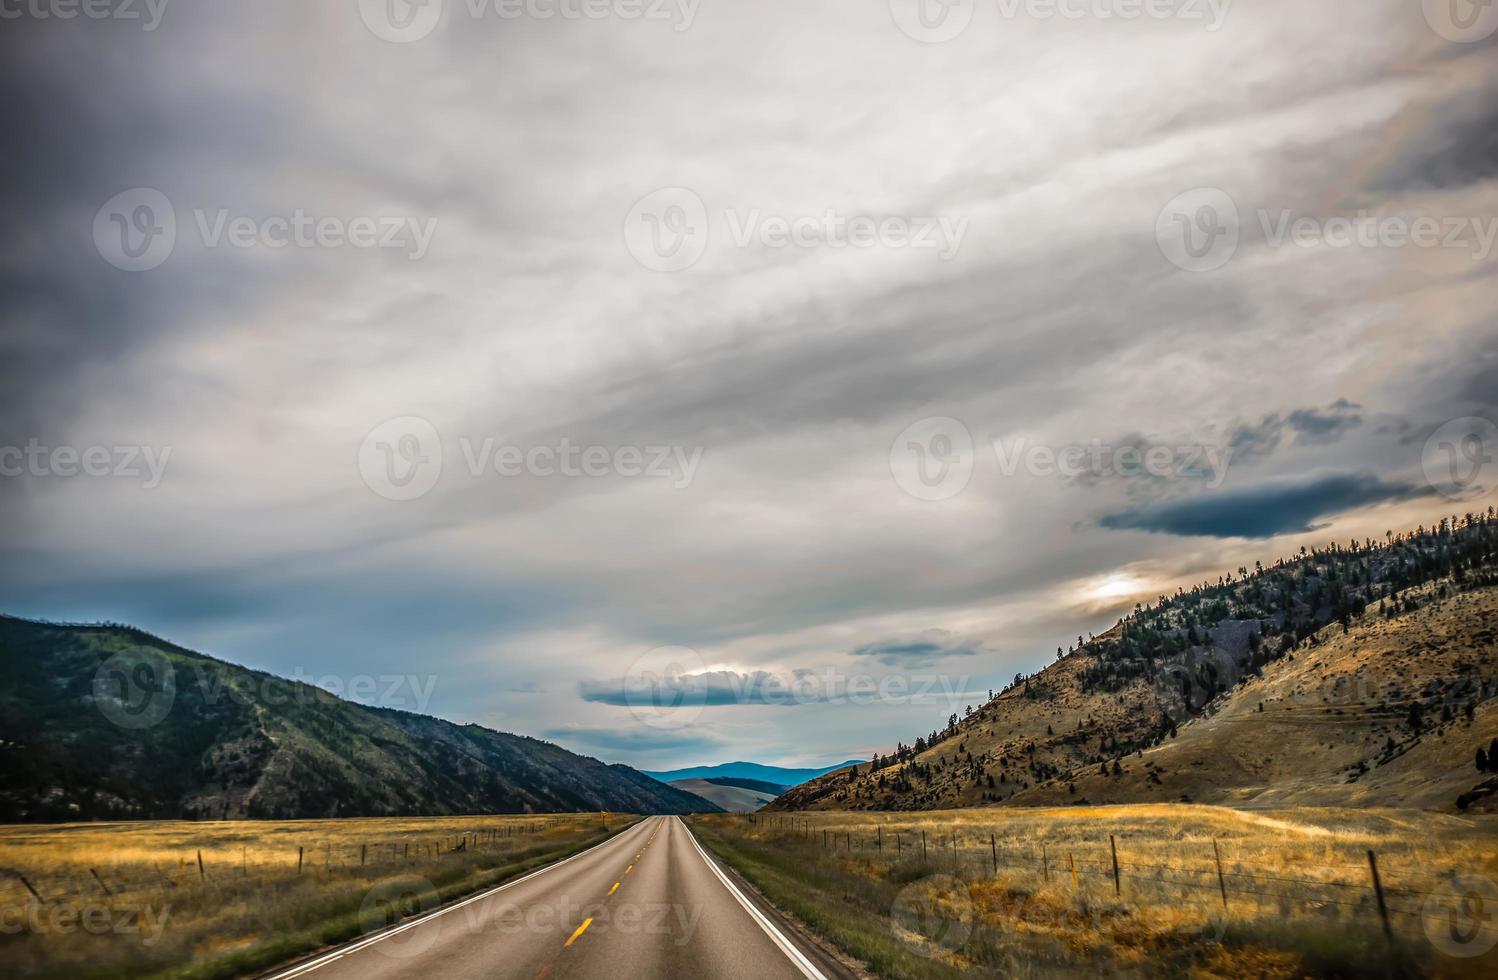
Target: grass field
152,911
1033,892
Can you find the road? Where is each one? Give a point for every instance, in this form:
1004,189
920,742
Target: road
648,903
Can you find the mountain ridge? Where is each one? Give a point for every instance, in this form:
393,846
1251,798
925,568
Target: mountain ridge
1115,718
105,721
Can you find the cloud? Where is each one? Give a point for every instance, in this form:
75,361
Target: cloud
1310,426
920,651
1263,511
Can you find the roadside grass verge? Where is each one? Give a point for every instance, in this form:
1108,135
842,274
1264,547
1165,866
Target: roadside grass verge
248,912
1197,891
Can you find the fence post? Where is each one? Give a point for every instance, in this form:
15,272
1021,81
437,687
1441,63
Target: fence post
1222,883
1378,889
993,847
824,838
299,860
879,840
923,845
1117,885
1071,860
362,849
202,874
30,889
1045,865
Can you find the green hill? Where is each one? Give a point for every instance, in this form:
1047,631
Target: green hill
109,722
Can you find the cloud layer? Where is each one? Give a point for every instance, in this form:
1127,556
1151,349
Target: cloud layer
283,377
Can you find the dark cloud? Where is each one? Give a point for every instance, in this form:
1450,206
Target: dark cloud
1264,511
1310,427
920,651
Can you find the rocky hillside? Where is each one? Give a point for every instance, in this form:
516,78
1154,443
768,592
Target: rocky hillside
107,722
1366,673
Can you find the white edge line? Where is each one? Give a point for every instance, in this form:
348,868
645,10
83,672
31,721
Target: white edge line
359,944
797,957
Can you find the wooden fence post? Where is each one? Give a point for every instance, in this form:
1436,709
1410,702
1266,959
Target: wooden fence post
1222,883
993,847
362,849
923,845
1117,885
202,873
299,860
1378,889
30,889
1045,865
879,840
1071,860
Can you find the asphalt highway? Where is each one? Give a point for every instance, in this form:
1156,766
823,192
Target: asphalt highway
647,903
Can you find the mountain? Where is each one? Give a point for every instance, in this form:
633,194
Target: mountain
733,795
1364,674
108,722
751,770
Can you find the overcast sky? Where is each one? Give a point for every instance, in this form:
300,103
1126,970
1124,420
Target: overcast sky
817,293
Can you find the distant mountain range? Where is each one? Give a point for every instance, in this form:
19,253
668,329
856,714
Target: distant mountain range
109,722
1364,674
776,775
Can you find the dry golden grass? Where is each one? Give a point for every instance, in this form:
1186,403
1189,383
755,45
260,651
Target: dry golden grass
249,907
1298,883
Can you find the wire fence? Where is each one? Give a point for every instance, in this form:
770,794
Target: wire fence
1387,897
181,870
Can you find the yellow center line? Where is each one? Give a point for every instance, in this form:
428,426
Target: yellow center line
629,869
580,930
614,889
